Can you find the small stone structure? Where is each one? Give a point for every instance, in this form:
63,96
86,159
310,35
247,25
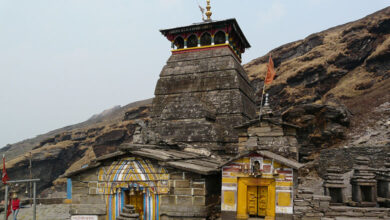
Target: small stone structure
270,133
334,186
383,184
364,190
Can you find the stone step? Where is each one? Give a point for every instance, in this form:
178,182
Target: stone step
125,218
128,210
129,206
127,215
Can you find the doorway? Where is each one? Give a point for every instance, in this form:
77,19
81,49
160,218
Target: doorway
255,198
257,201
136,199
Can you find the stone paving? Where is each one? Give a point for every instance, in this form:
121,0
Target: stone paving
44,212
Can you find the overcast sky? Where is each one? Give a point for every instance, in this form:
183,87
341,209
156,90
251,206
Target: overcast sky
62,61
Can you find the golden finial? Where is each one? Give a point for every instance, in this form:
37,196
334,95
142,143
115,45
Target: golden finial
208,13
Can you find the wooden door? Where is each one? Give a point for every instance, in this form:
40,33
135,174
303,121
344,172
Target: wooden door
137,200
252,200
262,198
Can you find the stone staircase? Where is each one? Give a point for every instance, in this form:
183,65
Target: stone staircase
128,213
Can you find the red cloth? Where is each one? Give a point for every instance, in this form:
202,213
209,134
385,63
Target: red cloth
270,71
9,208
15,204
5,175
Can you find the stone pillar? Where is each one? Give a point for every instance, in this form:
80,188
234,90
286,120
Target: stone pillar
185,43
212,39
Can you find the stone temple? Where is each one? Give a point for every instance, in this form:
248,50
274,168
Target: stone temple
203,91
205,154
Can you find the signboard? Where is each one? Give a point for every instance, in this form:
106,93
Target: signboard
84,217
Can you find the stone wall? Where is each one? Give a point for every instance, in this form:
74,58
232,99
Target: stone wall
191,196
308,206
83,202
269,136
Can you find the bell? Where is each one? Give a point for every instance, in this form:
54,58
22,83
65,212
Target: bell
275,173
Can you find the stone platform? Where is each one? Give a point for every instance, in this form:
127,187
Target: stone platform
44,212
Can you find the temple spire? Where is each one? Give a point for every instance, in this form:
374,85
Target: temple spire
208,13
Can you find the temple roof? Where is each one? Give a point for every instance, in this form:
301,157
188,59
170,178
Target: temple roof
207,25
288,162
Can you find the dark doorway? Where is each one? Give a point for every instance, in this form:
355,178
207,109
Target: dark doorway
336,195
366,193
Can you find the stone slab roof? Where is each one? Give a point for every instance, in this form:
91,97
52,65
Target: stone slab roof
184,160
180,159
188,161
288,162
270,120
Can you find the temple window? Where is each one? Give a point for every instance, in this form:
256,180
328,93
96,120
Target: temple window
192,41
205,39
220,37
179,43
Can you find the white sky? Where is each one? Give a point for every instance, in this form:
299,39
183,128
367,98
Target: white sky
62,61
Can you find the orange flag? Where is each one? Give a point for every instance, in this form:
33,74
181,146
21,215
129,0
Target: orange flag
270,72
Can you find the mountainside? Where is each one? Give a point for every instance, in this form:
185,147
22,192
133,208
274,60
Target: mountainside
334,84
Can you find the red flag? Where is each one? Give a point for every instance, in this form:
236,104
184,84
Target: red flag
9,211
5,175
270,72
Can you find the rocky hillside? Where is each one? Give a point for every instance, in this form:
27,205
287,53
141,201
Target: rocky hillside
71,147
334,84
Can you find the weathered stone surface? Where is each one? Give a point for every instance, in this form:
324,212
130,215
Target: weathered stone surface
200,97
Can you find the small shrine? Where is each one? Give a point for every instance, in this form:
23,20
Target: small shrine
259,184
334,186
364,190
383,186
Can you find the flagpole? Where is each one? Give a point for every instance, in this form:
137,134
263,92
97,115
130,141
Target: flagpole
262,97
262,94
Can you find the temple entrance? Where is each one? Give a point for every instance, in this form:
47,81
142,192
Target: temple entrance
257,200
135,198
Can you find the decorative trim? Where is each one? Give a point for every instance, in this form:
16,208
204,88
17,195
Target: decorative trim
203,48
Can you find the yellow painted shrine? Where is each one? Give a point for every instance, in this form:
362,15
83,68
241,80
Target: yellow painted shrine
259,184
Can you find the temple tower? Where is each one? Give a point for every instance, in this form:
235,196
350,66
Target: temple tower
203,91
